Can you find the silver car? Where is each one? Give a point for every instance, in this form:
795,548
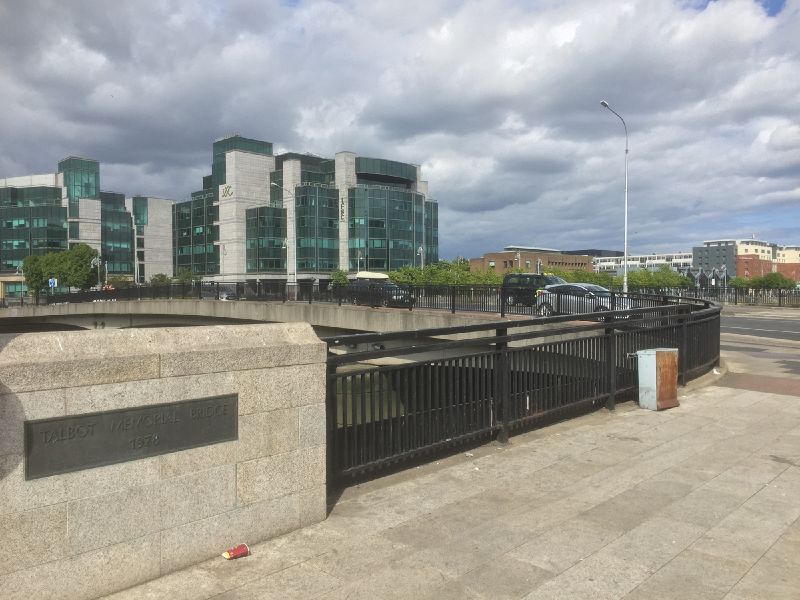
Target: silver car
578,298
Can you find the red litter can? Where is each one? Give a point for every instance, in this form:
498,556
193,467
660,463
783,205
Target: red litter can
236,552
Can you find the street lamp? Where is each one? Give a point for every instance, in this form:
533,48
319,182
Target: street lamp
421,252
96,262
290,239
604,104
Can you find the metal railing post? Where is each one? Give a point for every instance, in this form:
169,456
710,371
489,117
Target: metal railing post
502,386
453,299
502,302
780,297
682,346
330,418
611,367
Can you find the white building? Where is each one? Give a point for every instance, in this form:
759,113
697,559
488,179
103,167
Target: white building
677,261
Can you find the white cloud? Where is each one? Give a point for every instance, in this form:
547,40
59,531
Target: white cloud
499,101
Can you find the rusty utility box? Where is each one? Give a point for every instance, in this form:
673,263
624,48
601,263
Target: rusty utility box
658,378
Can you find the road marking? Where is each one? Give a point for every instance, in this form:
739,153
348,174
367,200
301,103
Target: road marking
754,329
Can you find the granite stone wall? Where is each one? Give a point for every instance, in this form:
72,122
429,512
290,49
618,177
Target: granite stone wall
95,531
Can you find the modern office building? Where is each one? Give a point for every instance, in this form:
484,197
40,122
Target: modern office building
40,214
529,259
299,216
152,229
748,258
677,261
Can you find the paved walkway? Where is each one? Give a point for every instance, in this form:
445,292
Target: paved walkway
701,501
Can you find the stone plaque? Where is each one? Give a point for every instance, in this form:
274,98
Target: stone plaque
66,444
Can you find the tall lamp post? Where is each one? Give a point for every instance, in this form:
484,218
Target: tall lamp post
604,104
421,252
292,275
96,262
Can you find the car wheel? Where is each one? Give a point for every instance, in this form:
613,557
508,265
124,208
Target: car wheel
385,302
545,310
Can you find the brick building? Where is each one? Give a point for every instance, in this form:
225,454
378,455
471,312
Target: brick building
532,260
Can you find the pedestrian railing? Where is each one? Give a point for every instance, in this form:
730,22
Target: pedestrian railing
494,379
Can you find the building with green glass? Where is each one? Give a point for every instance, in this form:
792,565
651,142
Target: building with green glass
52,212
299,216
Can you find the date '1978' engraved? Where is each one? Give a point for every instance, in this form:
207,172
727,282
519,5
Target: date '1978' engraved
66,444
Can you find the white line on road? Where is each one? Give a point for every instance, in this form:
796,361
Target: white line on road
754,329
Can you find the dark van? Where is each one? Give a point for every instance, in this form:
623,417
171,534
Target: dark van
522,288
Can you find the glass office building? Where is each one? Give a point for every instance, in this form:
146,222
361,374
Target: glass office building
41,214
299,216
32,222
116,227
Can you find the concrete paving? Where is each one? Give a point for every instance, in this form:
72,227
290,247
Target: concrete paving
697,502
701,501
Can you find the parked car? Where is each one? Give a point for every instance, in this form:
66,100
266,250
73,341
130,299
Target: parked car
523,288
578,298
228,295
380,293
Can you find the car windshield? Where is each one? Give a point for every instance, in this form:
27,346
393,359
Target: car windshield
596,289
554,280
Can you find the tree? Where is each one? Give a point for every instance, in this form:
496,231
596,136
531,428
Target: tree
739,282
119,282
184,276
773,281
339,278
77,264
159,280
35,277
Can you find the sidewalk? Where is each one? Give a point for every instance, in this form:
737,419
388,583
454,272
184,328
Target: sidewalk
697,502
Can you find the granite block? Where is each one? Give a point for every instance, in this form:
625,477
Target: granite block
285,387
184,462
56,374
143,392
111,478
15,409
313,430
88,575
17,495
313,505
311,467
32,537
197,495
266,478
101,521
267,433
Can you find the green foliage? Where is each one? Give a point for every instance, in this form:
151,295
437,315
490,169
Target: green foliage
159,280
35,277
773,281
665,277
77,266
184,276
119,282
445,273
739,282
72,268
338,278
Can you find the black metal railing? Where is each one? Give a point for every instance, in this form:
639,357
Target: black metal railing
452,298
495,379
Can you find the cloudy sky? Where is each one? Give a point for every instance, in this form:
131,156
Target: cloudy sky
499,101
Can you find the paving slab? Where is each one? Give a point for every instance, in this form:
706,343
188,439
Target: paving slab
696,502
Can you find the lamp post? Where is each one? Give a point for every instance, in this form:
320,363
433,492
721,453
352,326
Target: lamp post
604,104
290,239
421,252
96,262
